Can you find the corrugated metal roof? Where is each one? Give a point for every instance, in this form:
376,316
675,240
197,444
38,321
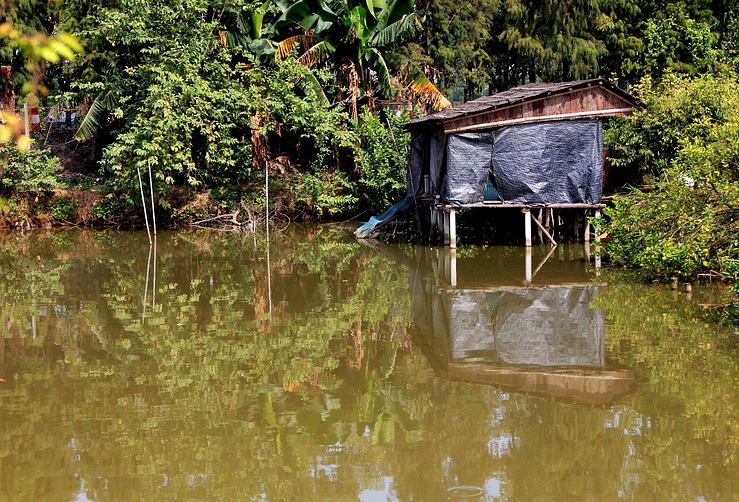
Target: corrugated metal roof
513,96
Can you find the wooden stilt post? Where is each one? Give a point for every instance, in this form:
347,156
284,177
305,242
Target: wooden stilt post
587,226
446,223
433,222
539,233
527,226
453,229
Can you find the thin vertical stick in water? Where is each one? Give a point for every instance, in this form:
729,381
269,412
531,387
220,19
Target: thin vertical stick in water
146,288
266,195
154,278
151,188
266,213
143,204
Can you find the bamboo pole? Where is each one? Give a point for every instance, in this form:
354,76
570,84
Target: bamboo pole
25,119
151,188
143,204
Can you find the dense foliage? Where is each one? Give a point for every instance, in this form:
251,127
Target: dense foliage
209,94
688,138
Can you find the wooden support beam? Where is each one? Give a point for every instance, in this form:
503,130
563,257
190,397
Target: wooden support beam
544,231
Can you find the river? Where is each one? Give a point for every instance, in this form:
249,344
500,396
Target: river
224,367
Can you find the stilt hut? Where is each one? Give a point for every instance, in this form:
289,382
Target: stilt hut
535,147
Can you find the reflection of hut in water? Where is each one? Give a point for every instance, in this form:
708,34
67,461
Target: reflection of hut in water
535,334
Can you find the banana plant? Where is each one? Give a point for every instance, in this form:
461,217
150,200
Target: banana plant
352,37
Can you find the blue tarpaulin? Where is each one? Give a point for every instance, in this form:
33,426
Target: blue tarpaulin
371,229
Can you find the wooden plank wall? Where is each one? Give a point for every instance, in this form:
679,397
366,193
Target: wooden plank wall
589,99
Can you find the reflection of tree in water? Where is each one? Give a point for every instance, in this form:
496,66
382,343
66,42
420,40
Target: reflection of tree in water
208,380
211,399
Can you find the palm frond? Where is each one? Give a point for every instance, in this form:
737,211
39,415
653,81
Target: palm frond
317,53
92,120
406,27
285,47
420,84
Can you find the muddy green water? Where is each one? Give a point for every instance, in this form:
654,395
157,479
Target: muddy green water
216,368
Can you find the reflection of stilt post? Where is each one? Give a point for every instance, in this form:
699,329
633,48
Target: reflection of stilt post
453,267
527,226
528,265
597,241
453,229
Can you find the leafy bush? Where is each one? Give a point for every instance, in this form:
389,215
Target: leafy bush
690,222
32,170
62,208
382,160
677,109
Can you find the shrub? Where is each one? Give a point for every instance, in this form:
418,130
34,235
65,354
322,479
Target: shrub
690,222
32,170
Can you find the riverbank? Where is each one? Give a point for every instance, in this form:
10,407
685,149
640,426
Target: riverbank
91,202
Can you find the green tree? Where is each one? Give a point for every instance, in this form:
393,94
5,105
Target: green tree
688,136
458,37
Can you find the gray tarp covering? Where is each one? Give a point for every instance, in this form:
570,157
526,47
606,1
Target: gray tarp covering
469,158
415,162
531,326
550,162
436,156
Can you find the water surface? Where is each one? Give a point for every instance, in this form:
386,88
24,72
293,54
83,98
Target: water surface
216,367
